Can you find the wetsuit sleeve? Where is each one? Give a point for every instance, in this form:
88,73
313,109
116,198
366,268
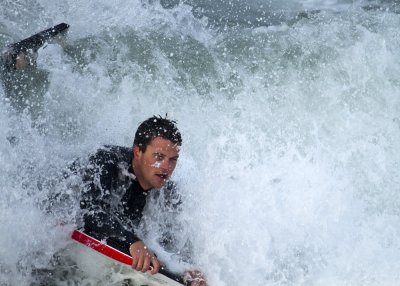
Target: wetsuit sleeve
100,219
103,225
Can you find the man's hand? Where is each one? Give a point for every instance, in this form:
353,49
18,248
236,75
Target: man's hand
143,258
196,278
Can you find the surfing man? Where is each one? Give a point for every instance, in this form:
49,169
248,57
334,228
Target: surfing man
117,181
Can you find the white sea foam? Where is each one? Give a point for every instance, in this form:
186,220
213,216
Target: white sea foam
290,134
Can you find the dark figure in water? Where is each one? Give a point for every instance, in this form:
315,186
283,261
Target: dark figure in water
23,83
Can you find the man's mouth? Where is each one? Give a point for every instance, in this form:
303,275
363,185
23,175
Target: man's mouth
162,176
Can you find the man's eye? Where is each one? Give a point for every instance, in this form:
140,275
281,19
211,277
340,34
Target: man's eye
158,157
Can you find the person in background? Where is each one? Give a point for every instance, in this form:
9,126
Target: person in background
22,54
23,83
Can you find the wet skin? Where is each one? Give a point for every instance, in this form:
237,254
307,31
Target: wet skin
155,165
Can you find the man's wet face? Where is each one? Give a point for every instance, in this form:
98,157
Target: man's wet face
155,165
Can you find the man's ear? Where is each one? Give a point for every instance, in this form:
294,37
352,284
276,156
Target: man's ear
136,151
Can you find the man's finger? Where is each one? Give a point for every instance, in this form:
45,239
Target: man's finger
156,265
134,261
198,282
139,265
146,263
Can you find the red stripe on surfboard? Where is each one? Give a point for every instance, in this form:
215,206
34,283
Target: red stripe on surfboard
101,247
113,253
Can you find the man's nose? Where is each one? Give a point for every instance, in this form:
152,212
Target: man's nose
166,165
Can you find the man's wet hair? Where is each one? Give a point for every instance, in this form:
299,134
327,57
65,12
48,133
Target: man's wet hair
156,126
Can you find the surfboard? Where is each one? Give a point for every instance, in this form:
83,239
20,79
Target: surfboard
135,278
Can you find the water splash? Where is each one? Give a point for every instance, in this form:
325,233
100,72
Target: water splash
288,169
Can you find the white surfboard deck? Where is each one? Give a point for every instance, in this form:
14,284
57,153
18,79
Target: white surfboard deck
123,274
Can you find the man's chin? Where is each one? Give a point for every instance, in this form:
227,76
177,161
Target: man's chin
159,185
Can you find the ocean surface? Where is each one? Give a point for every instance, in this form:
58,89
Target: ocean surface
290,115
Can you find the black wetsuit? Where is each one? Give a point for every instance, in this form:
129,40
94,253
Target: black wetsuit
112,200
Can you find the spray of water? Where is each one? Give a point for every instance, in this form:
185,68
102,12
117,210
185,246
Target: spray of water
288,170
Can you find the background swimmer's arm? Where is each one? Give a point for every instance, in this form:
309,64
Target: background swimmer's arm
20,54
